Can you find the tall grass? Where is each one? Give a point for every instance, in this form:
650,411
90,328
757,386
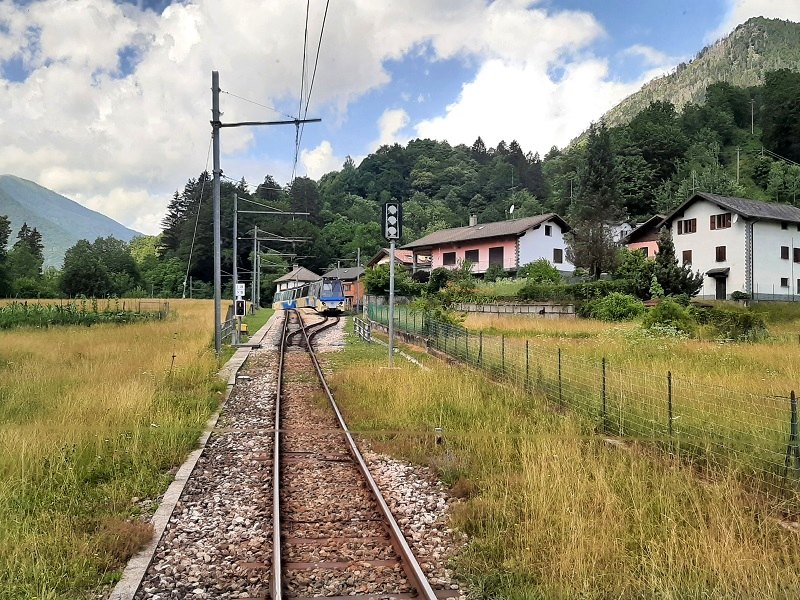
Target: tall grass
552,510
91,418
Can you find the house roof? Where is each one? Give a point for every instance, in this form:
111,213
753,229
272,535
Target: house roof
403,256
647,228
751,209
515,227
298,274
346,273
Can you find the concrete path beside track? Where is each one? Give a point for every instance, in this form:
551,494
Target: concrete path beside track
137,566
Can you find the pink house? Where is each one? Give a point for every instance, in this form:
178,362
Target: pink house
509,244
645,236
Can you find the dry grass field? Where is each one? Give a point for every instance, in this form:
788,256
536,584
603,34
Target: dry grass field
90,419
552,510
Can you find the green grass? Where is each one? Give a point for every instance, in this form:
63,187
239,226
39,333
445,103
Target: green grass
91,418
552,511
257,321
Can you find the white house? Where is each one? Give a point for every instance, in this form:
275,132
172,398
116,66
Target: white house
509,244
739,245
296,277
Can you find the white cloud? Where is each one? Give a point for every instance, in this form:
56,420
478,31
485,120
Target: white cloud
390,128
124,141
320,160
649,55
740,10
521,102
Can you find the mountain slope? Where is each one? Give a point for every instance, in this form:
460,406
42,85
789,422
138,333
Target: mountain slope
61,221
741,59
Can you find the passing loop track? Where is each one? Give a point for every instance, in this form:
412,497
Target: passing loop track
418,585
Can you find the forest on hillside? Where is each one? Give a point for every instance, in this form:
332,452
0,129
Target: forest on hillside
624,173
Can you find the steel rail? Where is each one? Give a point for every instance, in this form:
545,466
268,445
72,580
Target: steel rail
410,564
276,583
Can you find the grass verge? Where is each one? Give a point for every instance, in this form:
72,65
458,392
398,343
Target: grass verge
552,510
92,419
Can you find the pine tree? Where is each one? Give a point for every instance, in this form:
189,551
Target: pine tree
597,207
673,278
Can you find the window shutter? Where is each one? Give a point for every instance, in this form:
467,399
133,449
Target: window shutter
713,221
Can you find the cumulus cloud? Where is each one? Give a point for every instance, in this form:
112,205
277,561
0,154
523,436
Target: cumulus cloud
740,10
320,160
649,55
120,119
390,128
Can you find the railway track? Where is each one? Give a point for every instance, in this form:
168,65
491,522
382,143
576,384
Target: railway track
335,535
316,526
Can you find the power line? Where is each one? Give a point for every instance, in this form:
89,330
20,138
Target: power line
314,72
272,108
197,218
302,93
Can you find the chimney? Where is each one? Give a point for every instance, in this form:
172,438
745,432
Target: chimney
473,220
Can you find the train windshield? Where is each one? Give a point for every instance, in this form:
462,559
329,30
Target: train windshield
331,287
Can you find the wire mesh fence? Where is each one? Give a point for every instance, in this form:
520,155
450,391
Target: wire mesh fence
754,437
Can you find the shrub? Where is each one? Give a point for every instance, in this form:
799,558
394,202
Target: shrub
494,272
576,292
731,323
670,314
540,271
614,307
737,295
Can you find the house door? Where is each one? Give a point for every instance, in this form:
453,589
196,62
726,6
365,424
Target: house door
722,292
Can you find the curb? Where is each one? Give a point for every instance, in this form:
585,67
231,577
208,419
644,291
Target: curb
137,566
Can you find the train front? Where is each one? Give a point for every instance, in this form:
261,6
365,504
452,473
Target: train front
331,297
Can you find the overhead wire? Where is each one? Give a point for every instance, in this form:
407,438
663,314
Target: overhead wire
197,218
314,72
302,93
268,107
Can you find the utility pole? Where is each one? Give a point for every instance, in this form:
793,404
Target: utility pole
216,125
391,304
235,258
737,164
255,254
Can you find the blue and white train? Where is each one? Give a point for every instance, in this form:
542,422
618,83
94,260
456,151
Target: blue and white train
323,295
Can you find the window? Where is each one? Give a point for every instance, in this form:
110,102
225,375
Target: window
796,252
548,230
558,256
721,221
785,252
721,252
687,226
784,225
644,251
687,257
496,256
449,258
472,256
346,287
784,282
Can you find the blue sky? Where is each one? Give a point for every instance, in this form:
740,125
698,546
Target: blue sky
107,102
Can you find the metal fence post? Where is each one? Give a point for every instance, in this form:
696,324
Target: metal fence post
603,425
793,448
503,354
560,390
527,367
480,348
466,344
669,407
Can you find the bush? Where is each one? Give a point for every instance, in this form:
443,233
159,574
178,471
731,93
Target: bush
731,323
540,271
669,313
576,292
737,295
494,272
614,307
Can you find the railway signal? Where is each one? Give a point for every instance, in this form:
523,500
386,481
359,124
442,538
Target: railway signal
392,220
239,308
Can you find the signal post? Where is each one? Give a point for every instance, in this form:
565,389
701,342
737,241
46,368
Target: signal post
392,222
